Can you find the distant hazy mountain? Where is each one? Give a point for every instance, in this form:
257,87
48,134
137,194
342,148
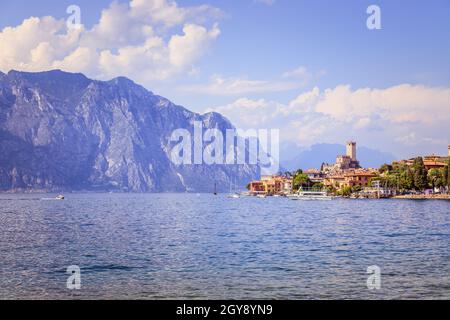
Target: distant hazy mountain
319,153
63,131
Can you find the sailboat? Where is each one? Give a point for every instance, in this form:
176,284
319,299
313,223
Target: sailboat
215,188
234,194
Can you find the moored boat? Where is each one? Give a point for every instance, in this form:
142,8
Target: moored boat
310,195
235,194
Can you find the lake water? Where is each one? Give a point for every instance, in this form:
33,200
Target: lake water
188,246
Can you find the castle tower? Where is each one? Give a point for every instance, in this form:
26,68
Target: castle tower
351,150
449,150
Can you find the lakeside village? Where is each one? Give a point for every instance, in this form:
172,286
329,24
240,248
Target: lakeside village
423,177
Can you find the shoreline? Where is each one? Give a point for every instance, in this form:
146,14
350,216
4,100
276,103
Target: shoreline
424,197
47,192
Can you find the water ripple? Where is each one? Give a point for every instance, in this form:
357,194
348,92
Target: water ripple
167,246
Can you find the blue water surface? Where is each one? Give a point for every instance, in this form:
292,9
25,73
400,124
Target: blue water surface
201,246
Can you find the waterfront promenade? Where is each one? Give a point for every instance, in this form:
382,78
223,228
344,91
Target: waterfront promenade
424,197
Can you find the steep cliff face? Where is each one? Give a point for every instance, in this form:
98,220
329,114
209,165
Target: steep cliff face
63,131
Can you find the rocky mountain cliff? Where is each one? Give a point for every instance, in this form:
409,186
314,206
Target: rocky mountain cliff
63,131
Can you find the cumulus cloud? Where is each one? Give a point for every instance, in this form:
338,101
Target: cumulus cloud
135,39
399,104
375,117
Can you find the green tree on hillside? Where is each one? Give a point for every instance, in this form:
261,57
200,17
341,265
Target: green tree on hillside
406,179
420,174
446,175
436,178
385,168
317,186
331,190
448,172
388,180
301,180
345,192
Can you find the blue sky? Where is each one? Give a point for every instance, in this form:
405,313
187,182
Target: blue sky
251,60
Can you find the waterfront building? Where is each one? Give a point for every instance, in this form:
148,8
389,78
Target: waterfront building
272,185
336,181
430,162
315,175
257,187
359,178
350,178
434,164
376,191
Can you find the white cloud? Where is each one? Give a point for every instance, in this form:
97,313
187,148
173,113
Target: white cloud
399,104
301,72
223,86
256,113
132,39
303,75
169,14
303,102
392,119
185,49
232,86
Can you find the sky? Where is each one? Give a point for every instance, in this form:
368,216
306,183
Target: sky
312,69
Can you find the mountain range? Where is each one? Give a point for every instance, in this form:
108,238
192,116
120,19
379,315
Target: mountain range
64,131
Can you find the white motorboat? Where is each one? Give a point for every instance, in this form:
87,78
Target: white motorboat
310,195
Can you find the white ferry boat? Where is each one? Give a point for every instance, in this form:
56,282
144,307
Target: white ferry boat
310,195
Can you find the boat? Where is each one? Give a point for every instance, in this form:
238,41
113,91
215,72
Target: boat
60,197
263,196
310,195
235,194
